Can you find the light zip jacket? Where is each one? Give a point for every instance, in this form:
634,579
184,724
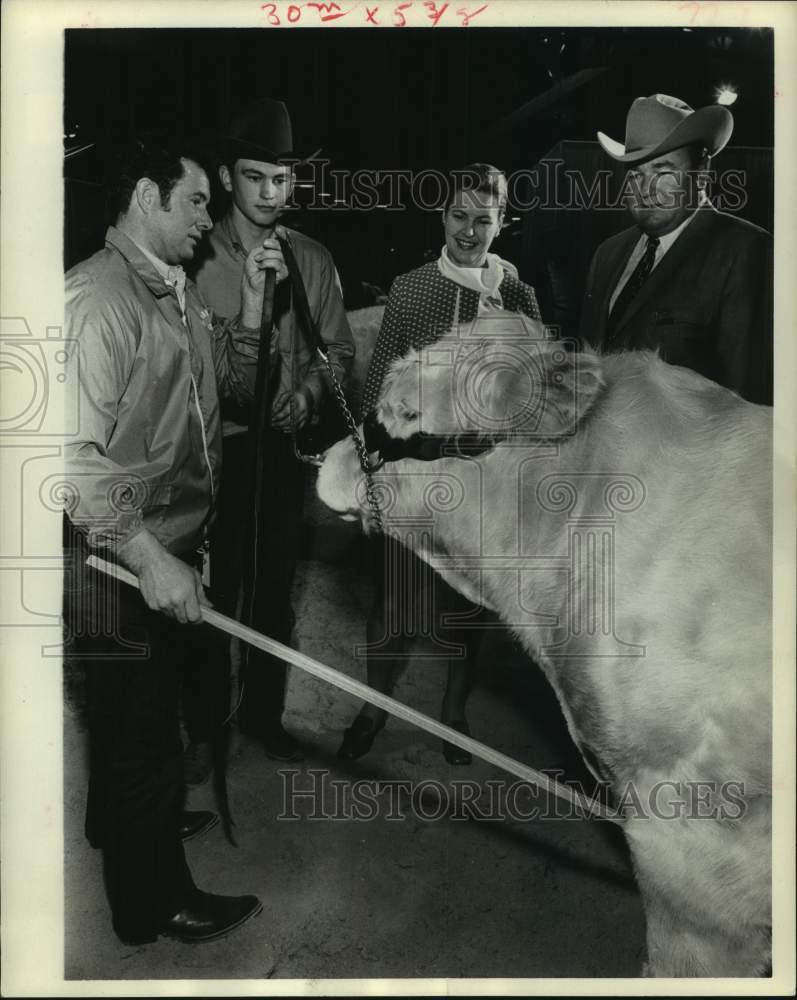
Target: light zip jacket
148,449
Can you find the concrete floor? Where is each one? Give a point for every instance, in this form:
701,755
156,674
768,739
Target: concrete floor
403,897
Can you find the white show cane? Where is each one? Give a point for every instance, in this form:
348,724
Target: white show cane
582,804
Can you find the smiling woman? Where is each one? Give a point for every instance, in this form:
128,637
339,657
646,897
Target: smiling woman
473,214
465,282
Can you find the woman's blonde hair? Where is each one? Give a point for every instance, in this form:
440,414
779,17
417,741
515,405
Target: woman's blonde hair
481,177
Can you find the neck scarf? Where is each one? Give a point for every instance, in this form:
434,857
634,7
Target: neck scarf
484,280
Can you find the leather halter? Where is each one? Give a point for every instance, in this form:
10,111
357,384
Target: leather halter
420,446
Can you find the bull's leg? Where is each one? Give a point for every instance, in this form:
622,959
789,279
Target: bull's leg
677,946
455,614
705,889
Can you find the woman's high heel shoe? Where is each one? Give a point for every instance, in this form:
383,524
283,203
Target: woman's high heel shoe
454,754
359,738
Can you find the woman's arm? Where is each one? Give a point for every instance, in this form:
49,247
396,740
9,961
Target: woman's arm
393,341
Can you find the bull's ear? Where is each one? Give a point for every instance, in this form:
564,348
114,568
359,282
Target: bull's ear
546,392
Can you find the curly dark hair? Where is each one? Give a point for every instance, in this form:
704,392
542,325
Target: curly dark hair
158,158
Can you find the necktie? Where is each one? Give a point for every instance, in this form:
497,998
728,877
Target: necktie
633,285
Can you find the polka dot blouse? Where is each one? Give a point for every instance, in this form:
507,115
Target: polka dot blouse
422,307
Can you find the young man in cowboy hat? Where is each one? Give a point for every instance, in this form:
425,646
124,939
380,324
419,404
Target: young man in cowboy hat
257,173
686,280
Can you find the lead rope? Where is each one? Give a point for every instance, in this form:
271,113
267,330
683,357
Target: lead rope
303,309
359,444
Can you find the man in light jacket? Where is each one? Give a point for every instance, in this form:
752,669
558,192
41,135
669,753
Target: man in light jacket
145,468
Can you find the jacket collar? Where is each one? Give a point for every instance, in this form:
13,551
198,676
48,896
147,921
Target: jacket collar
626,242
143,267
228,232
226,229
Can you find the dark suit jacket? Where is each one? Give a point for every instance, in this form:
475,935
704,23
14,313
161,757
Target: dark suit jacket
707,305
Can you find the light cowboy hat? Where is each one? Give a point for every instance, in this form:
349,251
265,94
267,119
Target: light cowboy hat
659,124
262,131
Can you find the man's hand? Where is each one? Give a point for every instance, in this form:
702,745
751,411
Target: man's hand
262,258
167,584
281,414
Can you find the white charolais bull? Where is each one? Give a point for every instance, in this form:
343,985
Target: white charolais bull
617,514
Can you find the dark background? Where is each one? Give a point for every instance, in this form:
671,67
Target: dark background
415,99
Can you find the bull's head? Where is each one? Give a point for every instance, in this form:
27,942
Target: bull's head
501,379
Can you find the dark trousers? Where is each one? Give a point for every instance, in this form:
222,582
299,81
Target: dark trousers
132,659
205,680
413,602
278,538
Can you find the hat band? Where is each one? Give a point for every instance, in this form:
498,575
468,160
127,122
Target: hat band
272,154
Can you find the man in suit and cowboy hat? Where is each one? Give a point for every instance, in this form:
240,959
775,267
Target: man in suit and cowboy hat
686,280
257,172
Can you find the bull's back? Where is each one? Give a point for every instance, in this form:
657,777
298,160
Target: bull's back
664,638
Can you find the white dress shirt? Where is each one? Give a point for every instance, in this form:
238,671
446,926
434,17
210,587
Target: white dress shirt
665,242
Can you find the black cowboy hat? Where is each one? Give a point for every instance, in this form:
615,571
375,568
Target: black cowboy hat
262,131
